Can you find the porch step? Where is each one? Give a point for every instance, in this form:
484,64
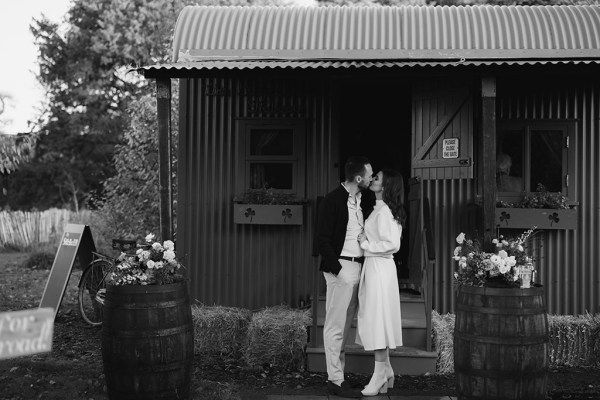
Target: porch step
404,360
414,324
414,331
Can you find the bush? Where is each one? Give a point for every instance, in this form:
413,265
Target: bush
39,260
277,338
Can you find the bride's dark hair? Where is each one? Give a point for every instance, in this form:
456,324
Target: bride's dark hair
393,194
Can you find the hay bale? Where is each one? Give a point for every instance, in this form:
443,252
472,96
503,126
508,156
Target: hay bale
574,340
219,333
277,337
443,339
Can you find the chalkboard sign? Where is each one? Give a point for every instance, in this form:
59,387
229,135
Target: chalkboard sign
76,240
26,332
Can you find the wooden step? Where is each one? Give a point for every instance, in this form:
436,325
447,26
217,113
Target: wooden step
414,324
404,360
414,332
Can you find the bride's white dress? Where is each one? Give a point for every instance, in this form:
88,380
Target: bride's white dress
379,317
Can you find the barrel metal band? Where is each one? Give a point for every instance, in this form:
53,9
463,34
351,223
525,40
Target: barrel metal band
494,374
149,332
514,340
501,311
142,306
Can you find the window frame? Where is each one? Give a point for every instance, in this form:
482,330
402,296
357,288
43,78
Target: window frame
297,159
568,129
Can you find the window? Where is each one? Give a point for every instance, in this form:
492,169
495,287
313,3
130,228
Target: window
532,153
272,155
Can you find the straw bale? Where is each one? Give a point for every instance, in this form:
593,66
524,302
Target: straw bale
574,340
277,337
443,339
219,333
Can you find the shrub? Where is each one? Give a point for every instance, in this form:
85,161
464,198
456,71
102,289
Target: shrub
39,260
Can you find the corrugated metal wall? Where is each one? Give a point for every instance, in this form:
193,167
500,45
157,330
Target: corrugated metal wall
243,265
567,260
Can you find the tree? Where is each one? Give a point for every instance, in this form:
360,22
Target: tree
131,202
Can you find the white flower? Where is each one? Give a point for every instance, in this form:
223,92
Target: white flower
503,268
139,251
505,243
156,246
470,255
457,250
150,264
462,263
169,245
169,255
511,261
460,238
150,237
520,248
495,241
495,259
502,254
158,265
145,255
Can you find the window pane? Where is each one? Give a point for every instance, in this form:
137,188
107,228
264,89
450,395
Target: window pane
271,142
546,159
509,161
271,175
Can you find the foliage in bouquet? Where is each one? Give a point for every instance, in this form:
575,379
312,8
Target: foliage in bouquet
500,268
152,264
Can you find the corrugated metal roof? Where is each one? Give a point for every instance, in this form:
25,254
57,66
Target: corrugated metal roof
315,64
207,36
406,32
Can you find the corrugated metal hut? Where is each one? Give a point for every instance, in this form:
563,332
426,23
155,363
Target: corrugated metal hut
281,96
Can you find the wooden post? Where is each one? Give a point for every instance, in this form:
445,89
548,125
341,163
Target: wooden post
163,104
488,160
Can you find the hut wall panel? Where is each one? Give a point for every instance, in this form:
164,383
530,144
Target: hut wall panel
242,265
568,261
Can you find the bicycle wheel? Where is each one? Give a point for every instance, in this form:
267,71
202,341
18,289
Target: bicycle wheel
92,288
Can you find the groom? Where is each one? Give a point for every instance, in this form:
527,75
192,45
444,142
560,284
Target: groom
340,220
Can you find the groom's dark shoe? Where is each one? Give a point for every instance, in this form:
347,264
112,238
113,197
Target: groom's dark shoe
343,391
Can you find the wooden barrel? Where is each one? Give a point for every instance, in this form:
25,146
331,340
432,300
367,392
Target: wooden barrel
148,342
501,343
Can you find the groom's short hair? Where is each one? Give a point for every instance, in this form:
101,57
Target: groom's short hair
355,166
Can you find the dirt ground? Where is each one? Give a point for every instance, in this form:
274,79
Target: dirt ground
74,370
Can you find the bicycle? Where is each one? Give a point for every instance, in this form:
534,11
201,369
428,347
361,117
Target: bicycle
92,285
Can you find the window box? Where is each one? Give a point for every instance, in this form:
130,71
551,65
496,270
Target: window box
543,218
267,214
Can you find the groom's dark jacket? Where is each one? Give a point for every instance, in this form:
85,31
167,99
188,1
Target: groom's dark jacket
332,223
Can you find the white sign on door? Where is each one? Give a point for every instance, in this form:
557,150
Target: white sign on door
450,148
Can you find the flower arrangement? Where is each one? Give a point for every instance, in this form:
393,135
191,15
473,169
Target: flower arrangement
152,264
502,268
267,196
541,198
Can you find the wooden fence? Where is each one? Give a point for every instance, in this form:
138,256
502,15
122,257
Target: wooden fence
24,229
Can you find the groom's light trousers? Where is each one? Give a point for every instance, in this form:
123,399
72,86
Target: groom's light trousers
340,307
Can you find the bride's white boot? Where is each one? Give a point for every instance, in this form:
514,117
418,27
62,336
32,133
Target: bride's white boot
389,373
379,381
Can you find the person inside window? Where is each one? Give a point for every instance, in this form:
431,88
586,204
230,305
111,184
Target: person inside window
505,182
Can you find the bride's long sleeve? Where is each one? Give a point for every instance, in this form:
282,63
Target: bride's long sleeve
385,239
